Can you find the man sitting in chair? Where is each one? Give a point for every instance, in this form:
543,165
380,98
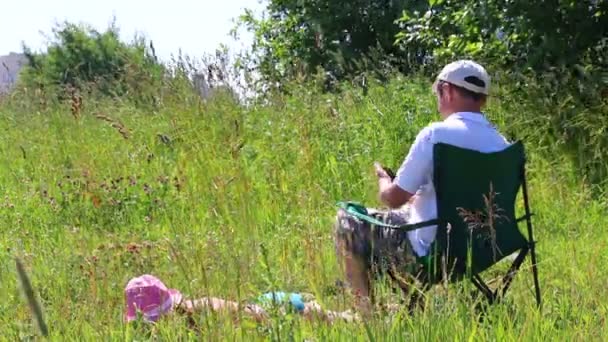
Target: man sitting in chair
461,89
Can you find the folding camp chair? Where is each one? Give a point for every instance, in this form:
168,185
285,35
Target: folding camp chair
484,186
476,224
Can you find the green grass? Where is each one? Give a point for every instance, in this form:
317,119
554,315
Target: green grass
87,209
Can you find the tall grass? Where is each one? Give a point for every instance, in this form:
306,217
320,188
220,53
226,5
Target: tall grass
224,200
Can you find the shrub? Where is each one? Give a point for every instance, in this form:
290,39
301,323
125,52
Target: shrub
79,58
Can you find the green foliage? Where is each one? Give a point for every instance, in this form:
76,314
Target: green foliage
550,54
81,58
344,38
298,37
562,109
527,35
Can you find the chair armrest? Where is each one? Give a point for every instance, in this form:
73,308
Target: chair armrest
414,226
525,217
359,211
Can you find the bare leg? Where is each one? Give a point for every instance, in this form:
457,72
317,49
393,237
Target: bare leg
357,242
355,270
354,266
313,310
222,305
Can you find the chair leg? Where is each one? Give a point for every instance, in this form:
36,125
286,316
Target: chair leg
493,296
531,238
481,285
535,274
508,278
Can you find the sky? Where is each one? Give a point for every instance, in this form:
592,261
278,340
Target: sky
197,27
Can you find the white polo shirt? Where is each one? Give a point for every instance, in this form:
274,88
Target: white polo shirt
466,130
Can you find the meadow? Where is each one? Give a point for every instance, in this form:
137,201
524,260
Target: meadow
220,199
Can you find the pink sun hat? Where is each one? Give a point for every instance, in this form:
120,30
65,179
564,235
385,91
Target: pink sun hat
149,296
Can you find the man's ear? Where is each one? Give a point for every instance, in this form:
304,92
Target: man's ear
449,93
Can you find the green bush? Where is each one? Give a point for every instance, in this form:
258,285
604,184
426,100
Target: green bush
562,113
298,37
549,55
80,58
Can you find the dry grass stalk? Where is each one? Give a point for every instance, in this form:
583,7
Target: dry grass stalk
485,221
119,126
75,102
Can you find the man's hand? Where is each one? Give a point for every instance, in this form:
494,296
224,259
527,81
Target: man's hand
389,193
380,171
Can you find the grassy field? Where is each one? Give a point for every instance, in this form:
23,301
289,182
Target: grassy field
221,200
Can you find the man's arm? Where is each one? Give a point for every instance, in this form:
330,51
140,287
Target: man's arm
411,175
390,193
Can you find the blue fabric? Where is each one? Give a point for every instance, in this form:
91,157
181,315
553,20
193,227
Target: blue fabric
279,297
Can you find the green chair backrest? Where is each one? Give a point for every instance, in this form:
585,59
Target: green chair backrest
462,178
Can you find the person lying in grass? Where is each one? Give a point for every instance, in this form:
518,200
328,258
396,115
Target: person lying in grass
148,297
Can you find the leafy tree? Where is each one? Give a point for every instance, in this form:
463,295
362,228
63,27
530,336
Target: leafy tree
297,37
80,57
553,55
534,35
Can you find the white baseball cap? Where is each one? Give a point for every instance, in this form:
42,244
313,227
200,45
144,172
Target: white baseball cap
466,74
